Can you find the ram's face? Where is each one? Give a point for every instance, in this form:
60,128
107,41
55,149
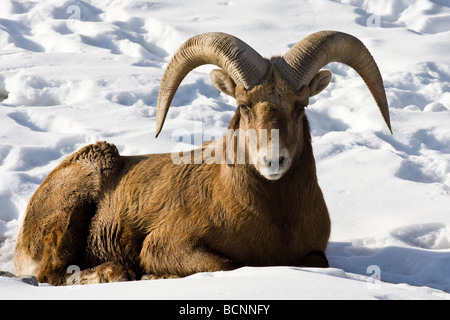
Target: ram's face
271,116
269,121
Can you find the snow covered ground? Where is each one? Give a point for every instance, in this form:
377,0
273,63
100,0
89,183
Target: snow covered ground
75,72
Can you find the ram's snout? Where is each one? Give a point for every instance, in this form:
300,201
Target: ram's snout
273,162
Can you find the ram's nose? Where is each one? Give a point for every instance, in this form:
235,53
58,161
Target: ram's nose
268,162
272,166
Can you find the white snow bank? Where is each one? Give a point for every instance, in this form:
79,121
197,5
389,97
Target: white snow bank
279,283
421,16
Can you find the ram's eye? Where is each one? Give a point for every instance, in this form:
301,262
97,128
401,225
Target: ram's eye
245,110
244,107
300,106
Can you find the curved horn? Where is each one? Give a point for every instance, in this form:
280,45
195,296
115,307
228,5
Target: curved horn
299,65
243,64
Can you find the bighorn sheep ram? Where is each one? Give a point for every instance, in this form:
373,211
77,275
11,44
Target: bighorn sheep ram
142,217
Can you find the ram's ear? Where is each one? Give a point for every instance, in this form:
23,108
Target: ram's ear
319,82
223,82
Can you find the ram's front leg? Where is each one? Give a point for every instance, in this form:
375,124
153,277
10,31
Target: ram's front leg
166,258
315,259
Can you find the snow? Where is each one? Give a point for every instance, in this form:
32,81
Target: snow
75,72
248,283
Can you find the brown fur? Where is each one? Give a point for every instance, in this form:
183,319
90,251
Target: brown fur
121,218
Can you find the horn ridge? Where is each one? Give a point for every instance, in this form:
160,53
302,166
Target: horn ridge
299,65
243,64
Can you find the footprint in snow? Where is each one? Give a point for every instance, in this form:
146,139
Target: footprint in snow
24,119
426,236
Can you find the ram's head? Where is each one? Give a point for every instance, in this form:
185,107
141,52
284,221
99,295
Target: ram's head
271,94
